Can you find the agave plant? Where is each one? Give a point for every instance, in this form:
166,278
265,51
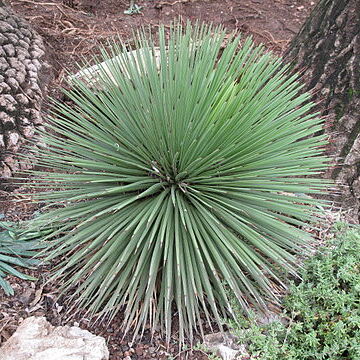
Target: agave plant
18,248
186,178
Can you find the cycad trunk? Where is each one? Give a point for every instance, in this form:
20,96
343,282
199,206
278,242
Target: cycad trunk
23,75
327,50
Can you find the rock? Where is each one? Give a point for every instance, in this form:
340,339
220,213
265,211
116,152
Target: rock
226,353
91,75
225,345
268,317
37,339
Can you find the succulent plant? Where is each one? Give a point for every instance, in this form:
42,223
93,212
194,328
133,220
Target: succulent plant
181,180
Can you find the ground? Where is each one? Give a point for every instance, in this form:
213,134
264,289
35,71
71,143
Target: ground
72,30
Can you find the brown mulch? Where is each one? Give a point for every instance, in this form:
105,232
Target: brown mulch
73,29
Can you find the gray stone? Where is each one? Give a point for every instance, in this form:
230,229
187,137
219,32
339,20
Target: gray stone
92,75
37,339
225,345
269,317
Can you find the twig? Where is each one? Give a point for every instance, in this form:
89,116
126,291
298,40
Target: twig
52,4
183,351
249,7
3,326
33,17
60,8
43,4
162,3
60,77
269,38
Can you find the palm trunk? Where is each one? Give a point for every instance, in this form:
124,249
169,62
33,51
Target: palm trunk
23,75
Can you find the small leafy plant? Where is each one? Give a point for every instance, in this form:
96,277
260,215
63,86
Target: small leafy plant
324,310
133,9
17,249
177,181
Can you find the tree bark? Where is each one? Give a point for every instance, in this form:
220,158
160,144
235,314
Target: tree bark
327,52
23,78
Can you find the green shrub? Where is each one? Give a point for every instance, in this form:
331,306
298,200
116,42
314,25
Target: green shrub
177,181
17,249
324,310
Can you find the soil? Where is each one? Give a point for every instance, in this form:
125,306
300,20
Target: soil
72,31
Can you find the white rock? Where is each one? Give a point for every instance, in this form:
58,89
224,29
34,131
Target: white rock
37,339
96,75
104,73
226,353
224,345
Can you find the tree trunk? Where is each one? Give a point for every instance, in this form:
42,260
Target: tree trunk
23,75
327,51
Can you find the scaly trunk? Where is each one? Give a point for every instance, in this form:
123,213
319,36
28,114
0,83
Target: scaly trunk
22,83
